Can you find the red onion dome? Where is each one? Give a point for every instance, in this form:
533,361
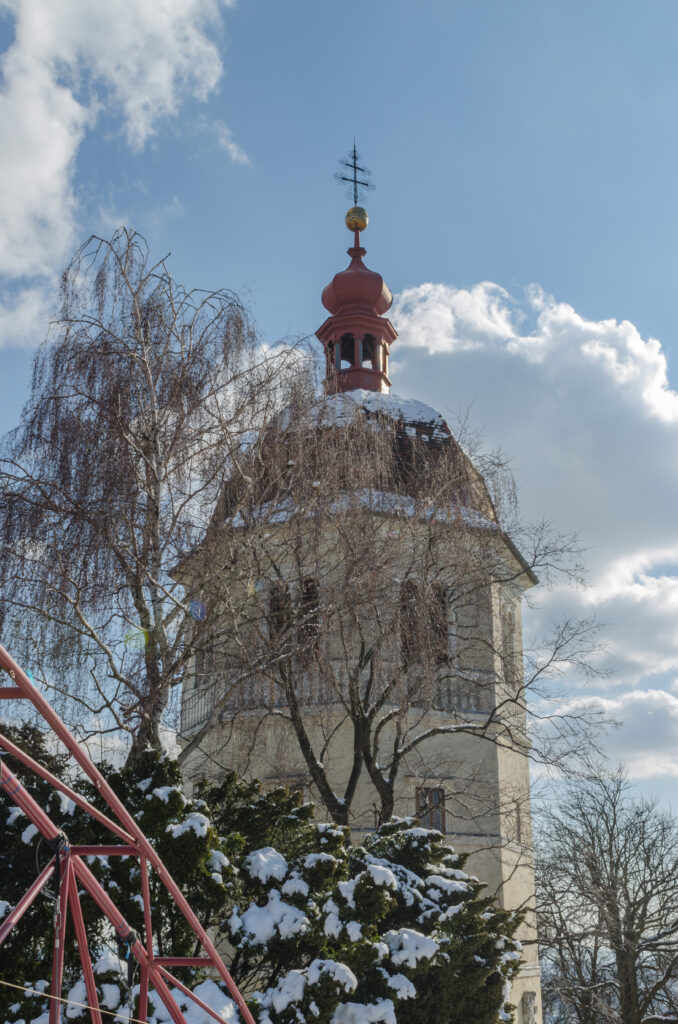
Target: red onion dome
357,287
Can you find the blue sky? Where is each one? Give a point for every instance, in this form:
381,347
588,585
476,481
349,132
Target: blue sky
526,216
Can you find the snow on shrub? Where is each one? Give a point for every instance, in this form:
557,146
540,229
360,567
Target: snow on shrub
388,931
266,864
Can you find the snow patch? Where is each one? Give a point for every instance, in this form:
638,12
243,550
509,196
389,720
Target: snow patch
28,833
291,988
195,821
110,996
261,923
402,986
408,946
66,804
381,1012
313,859
265,864
382,876
347,890
340,409
211,994
109,962
78,994
295,886
163,793
448,885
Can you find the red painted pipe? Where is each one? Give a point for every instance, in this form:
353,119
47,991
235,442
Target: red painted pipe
23,799
126,820
24,903
85,805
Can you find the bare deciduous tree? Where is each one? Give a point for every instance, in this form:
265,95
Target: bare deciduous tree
140,397
363,590
607,872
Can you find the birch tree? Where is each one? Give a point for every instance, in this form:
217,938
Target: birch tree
140,397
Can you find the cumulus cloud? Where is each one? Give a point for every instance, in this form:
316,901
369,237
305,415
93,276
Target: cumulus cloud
25,315
586,410
646,741
71,62
540,330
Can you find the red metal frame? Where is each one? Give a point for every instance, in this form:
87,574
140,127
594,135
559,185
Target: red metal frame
75,874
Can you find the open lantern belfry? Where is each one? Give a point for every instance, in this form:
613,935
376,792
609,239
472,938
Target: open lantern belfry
68,873
357,337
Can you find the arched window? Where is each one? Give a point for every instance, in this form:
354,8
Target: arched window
368,351
424,624
308,620
438,624
347,352
410,634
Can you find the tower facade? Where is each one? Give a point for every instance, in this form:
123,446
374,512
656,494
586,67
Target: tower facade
383,608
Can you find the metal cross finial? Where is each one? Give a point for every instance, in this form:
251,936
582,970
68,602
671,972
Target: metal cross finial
354,182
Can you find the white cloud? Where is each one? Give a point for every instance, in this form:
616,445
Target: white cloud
225,140
646,741
587,413
444,319
25,317
486,317
159,216
71,62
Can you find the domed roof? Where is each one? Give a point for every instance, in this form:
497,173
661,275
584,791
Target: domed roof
357,287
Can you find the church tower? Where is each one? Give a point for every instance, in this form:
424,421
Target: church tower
485,810
435,632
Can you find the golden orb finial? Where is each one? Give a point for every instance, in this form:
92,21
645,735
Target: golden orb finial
357,219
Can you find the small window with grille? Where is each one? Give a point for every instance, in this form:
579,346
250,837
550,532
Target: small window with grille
430,801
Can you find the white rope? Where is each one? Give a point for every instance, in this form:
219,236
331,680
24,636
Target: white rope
70,1002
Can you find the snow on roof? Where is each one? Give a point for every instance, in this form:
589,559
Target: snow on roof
409,410
386,502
